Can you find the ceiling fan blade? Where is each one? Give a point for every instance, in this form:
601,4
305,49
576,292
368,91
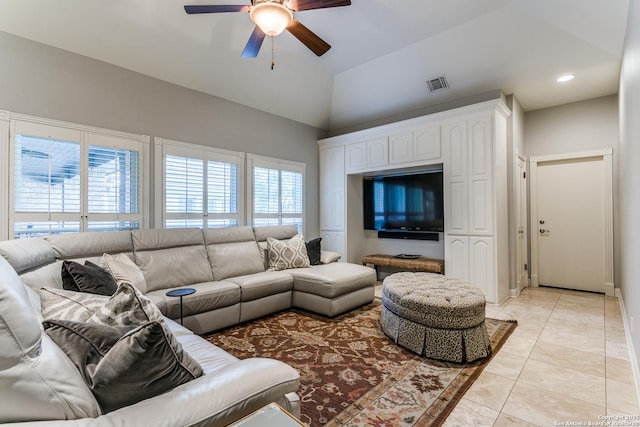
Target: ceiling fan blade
254,44
192,9
308,38
298,5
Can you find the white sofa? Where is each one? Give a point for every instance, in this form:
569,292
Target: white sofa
225,266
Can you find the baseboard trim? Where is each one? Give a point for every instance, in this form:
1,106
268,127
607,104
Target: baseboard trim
632,353
534,280
609,289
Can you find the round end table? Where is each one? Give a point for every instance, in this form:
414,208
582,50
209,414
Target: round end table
181,293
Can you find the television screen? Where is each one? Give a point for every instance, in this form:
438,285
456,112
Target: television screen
412,202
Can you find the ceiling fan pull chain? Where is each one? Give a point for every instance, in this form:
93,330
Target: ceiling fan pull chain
273,61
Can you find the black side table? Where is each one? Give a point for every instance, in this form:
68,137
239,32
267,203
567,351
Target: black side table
181,293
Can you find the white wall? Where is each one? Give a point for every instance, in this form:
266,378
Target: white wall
48,82
629,179
579,126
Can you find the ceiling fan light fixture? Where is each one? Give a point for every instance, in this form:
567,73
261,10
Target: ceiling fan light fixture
271,17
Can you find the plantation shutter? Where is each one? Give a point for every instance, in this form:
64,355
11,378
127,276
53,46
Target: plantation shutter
277,192
68,180
201,186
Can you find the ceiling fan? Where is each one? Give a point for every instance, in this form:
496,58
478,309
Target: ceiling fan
272,17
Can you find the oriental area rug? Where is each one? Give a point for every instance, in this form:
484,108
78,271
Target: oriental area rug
352,374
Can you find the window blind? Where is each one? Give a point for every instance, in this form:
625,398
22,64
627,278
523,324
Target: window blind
69,186
278,196
201,187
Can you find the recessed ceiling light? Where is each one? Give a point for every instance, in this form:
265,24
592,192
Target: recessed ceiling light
565,78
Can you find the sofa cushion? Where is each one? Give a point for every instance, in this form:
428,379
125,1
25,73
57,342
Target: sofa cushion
232,251
313,250
87,278
46,276
285,255
90,244
25,254
37,380
209,296
210,357
123,269
332,280
258,285
124,365
235,259
279,232
327,257
69,305
171,258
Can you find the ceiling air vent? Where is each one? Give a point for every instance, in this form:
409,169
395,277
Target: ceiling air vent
437,83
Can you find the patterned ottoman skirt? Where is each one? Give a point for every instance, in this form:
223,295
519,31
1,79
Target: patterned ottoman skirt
437,316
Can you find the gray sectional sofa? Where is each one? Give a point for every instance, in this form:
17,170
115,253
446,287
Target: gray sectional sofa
228,269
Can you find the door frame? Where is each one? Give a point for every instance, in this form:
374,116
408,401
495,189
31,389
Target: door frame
607,195
520,189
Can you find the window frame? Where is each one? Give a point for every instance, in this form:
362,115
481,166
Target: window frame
164,147
253,161
12,123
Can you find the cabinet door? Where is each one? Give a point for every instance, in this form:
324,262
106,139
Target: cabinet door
332,188
401,148
482,266
480,176
326,190
426,143
337,188
333,241
377,152
356,156
456,257
454,140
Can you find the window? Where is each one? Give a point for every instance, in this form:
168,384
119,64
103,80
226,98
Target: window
277,192
68,178
201,187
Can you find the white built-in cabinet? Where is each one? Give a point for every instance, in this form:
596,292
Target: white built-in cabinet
474,153
332,197
471,144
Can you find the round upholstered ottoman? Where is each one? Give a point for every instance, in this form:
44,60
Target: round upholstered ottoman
437,316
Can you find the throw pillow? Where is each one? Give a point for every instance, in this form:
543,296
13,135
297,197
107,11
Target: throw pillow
124,365
124,270
69,305
313,250
126,307
87,278
327,257
283,255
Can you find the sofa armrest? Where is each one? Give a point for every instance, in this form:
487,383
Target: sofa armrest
327,257
215,399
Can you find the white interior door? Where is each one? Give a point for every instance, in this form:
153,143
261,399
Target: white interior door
571,226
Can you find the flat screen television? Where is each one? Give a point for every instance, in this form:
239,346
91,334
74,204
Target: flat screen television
410,202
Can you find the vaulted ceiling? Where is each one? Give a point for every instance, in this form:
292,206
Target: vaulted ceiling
383,51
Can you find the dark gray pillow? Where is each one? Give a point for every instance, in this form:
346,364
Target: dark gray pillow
313,250
124,365
87,278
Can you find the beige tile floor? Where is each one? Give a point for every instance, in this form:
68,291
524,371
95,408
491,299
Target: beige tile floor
567,360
